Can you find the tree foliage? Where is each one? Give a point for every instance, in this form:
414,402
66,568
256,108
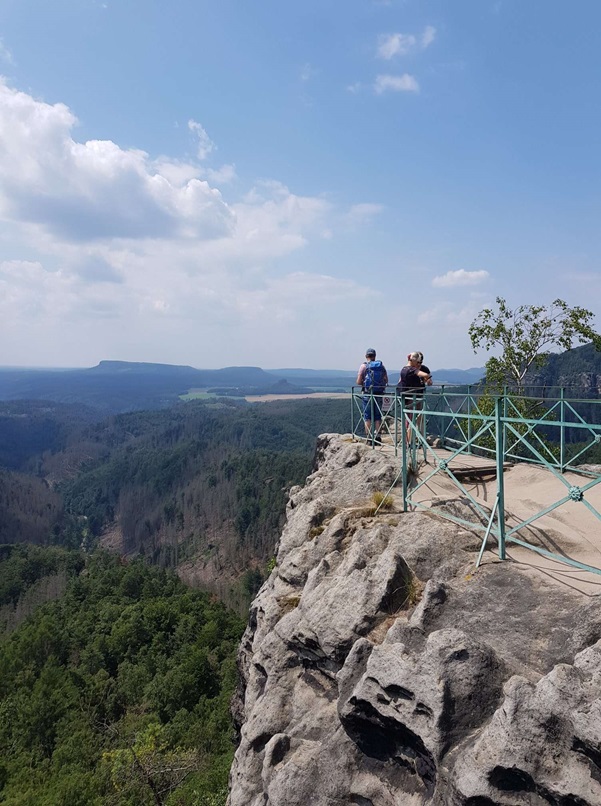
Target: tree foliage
525,335
202,481
117,692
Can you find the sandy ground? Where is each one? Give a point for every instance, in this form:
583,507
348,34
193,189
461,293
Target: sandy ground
309,396
571,530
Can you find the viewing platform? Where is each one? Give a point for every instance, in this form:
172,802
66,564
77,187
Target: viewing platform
512,468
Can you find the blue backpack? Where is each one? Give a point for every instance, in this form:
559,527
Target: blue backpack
374,376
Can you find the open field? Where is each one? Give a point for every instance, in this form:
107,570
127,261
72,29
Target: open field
201,394
197,394
310,396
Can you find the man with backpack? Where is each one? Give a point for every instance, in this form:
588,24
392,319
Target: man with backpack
373,379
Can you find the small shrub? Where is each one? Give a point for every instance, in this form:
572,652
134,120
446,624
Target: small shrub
315,530
382,501
406,595
414,590
379,501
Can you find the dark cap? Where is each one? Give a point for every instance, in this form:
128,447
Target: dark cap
370,351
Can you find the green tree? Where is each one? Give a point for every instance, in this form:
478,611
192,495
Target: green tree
117,692
147,765
524,336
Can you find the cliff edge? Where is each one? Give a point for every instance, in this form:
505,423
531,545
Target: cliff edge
380,668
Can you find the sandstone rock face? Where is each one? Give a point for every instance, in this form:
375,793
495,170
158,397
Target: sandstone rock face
379,668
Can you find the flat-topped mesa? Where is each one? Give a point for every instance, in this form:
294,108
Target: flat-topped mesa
380,668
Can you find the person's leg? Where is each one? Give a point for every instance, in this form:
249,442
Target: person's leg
419,418
408,418
377,415
367,414
413,403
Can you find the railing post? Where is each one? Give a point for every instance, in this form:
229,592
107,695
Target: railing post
353,412
469,419
443,425
404,453
372,424
505,411
562,432
424,424
415,425
499,439
396,422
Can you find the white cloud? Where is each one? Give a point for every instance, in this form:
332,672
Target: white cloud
461,277
205,145
390,45
428,36
177,173
403,83
354,88
289,297
122,255
5,54
223,175
398,44
93,190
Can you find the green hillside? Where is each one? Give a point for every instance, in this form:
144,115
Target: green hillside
200,486
577,370
119,386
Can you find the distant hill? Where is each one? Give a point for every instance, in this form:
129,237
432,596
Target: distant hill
344,379
122,386
458,376
578,371
316,374
338,380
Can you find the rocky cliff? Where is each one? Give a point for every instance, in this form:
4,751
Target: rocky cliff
380,668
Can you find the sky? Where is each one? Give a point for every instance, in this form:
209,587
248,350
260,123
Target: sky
284,184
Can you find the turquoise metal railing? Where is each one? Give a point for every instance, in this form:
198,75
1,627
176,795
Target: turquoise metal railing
555,434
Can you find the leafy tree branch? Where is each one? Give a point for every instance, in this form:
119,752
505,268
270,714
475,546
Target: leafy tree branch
525,335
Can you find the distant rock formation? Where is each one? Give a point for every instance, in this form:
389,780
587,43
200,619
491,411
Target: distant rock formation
378,668
578,371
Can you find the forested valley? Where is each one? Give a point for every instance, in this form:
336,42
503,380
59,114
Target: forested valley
129,550
200,487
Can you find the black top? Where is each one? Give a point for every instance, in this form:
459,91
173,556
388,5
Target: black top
410,380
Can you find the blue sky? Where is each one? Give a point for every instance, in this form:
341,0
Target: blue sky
284,184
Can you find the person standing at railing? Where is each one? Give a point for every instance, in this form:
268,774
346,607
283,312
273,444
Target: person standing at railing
373,380
415,376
